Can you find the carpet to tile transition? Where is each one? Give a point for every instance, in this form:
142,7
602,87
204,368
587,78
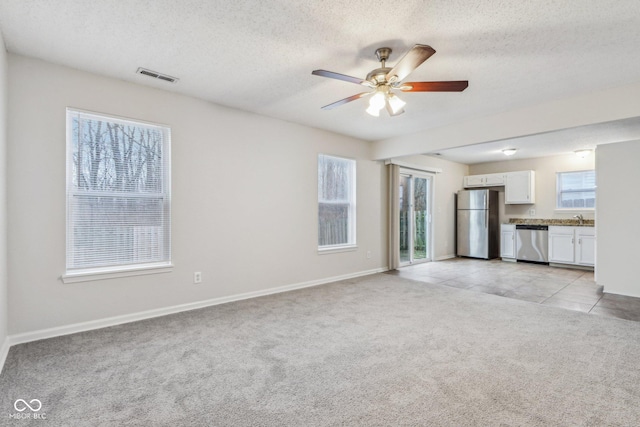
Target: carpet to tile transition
379,350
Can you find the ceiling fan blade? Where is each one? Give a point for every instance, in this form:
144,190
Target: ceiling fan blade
410,61
344,101
338,76
451,86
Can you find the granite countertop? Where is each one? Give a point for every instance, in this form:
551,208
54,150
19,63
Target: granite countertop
542,221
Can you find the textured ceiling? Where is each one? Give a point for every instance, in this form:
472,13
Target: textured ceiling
258,55
563,141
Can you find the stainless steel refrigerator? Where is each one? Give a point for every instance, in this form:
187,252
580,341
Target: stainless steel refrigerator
478,226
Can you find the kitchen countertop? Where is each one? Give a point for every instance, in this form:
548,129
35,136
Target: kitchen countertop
560,222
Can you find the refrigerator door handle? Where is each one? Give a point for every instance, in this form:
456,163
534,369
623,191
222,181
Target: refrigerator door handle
486,220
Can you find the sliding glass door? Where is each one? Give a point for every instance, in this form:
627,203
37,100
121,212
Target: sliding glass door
415,217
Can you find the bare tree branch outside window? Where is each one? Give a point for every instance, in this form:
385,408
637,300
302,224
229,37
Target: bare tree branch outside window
118,204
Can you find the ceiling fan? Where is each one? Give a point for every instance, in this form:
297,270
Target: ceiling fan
385,80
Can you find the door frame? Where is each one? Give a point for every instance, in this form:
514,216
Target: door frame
430,177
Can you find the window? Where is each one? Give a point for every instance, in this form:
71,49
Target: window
118,195
336,202
576,190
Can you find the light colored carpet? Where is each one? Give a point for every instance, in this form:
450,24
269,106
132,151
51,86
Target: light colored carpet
379,350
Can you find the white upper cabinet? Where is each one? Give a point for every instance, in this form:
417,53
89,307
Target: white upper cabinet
487,180
520,188
474,181
494,179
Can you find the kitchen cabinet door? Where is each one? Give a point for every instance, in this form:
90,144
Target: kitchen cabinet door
474,181
508,241
520,188
561,245
585,246
494,179
488,180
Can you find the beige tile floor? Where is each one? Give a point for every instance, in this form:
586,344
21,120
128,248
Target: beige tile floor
571,289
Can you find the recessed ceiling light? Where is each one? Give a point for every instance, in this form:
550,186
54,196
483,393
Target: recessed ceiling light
509,151
582,153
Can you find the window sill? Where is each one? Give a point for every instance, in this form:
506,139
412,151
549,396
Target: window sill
567,210
337,249
115,273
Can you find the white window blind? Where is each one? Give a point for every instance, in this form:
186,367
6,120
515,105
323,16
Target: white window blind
336,201
118,193
576,190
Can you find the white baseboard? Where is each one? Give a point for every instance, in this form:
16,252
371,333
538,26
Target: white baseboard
443,257
4,352
572,266
134,317
623,293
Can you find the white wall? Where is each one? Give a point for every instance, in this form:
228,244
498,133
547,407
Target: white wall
4,303
617,227
244,200
446,186
546,169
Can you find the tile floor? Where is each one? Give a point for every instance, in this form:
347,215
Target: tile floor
559,287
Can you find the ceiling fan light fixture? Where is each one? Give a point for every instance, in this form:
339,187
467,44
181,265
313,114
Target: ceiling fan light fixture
395,103
377,100
509,151
583,153
375,112
377,103
385,79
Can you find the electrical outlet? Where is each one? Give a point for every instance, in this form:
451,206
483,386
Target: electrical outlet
197,277
532,212
368,254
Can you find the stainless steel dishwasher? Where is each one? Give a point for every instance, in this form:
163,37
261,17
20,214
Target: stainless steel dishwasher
532,243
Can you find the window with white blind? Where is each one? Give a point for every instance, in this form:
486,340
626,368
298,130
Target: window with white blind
118,195
576,190
336,202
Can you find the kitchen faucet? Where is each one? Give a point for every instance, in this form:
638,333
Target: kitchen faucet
580,218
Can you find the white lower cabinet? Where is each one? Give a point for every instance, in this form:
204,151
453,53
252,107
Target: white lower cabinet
508,241
561,244
572,245
586,246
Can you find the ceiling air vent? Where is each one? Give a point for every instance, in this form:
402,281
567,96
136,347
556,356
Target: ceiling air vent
157,75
